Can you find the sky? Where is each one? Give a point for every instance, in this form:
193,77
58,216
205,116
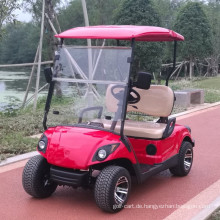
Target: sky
26,17
22,16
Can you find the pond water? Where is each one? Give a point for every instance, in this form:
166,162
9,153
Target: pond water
13,86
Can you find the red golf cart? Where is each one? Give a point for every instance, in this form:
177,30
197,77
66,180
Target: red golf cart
101,136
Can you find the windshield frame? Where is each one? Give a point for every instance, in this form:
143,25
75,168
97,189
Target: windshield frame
125,98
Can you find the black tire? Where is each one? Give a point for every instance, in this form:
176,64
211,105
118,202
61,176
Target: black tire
106,194
185,160
35,178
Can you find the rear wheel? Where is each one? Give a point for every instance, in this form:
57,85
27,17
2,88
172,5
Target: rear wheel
112,188
185,160
36,178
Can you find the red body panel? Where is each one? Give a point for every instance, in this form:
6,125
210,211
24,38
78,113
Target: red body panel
166,148
75,147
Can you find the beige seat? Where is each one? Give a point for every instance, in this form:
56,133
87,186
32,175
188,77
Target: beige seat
137,128
157,101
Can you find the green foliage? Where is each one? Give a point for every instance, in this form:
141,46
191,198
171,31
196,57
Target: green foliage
101,11
15,131
17,126
72,16
7,7
167,10
193,24
213,13
20,45
35,7
15,143
148,55
139,12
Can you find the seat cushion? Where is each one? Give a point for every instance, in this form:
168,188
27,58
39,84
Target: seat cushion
137,128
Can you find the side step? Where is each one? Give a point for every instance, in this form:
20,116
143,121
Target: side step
147,170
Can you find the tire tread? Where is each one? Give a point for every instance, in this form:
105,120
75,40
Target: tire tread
104,187
179,170
32,177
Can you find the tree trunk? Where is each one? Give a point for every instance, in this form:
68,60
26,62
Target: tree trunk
185,69
191,66
214,66
50,39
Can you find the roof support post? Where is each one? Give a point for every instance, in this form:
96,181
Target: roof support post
127,90
174,62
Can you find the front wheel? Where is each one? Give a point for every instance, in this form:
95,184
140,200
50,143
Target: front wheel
112,188
35,178
185,160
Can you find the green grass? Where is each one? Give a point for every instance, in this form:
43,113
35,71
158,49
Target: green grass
215,215
16,127
211,83
210,86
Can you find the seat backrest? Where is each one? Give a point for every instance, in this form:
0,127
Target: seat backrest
111,101
156,101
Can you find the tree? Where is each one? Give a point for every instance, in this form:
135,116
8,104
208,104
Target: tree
167,10
101,11
35,6
148,55
213,13
7,8
22,49
193,24
71,16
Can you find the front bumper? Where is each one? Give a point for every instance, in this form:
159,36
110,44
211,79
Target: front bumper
70,177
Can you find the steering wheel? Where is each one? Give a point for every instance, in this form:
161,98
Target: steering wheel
132,99
119,95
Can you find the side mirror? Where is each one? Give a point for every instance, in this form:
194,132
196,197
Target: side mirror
48,74
143,80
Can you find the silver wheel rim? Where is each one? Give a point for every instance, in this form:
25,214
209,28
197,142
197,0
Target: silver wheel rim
188,159
121,190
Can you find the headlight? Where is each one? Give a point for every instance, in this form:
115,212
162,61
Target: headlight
102,154
41,145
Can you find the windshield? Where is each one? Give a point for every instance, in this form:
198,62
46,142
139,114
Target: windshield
90,85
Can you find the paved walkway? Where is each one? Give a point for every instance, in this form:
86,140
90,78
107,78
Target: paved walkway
160,197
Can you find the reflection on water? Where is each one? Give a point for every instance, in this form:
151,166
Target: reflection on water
13,86
2,86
